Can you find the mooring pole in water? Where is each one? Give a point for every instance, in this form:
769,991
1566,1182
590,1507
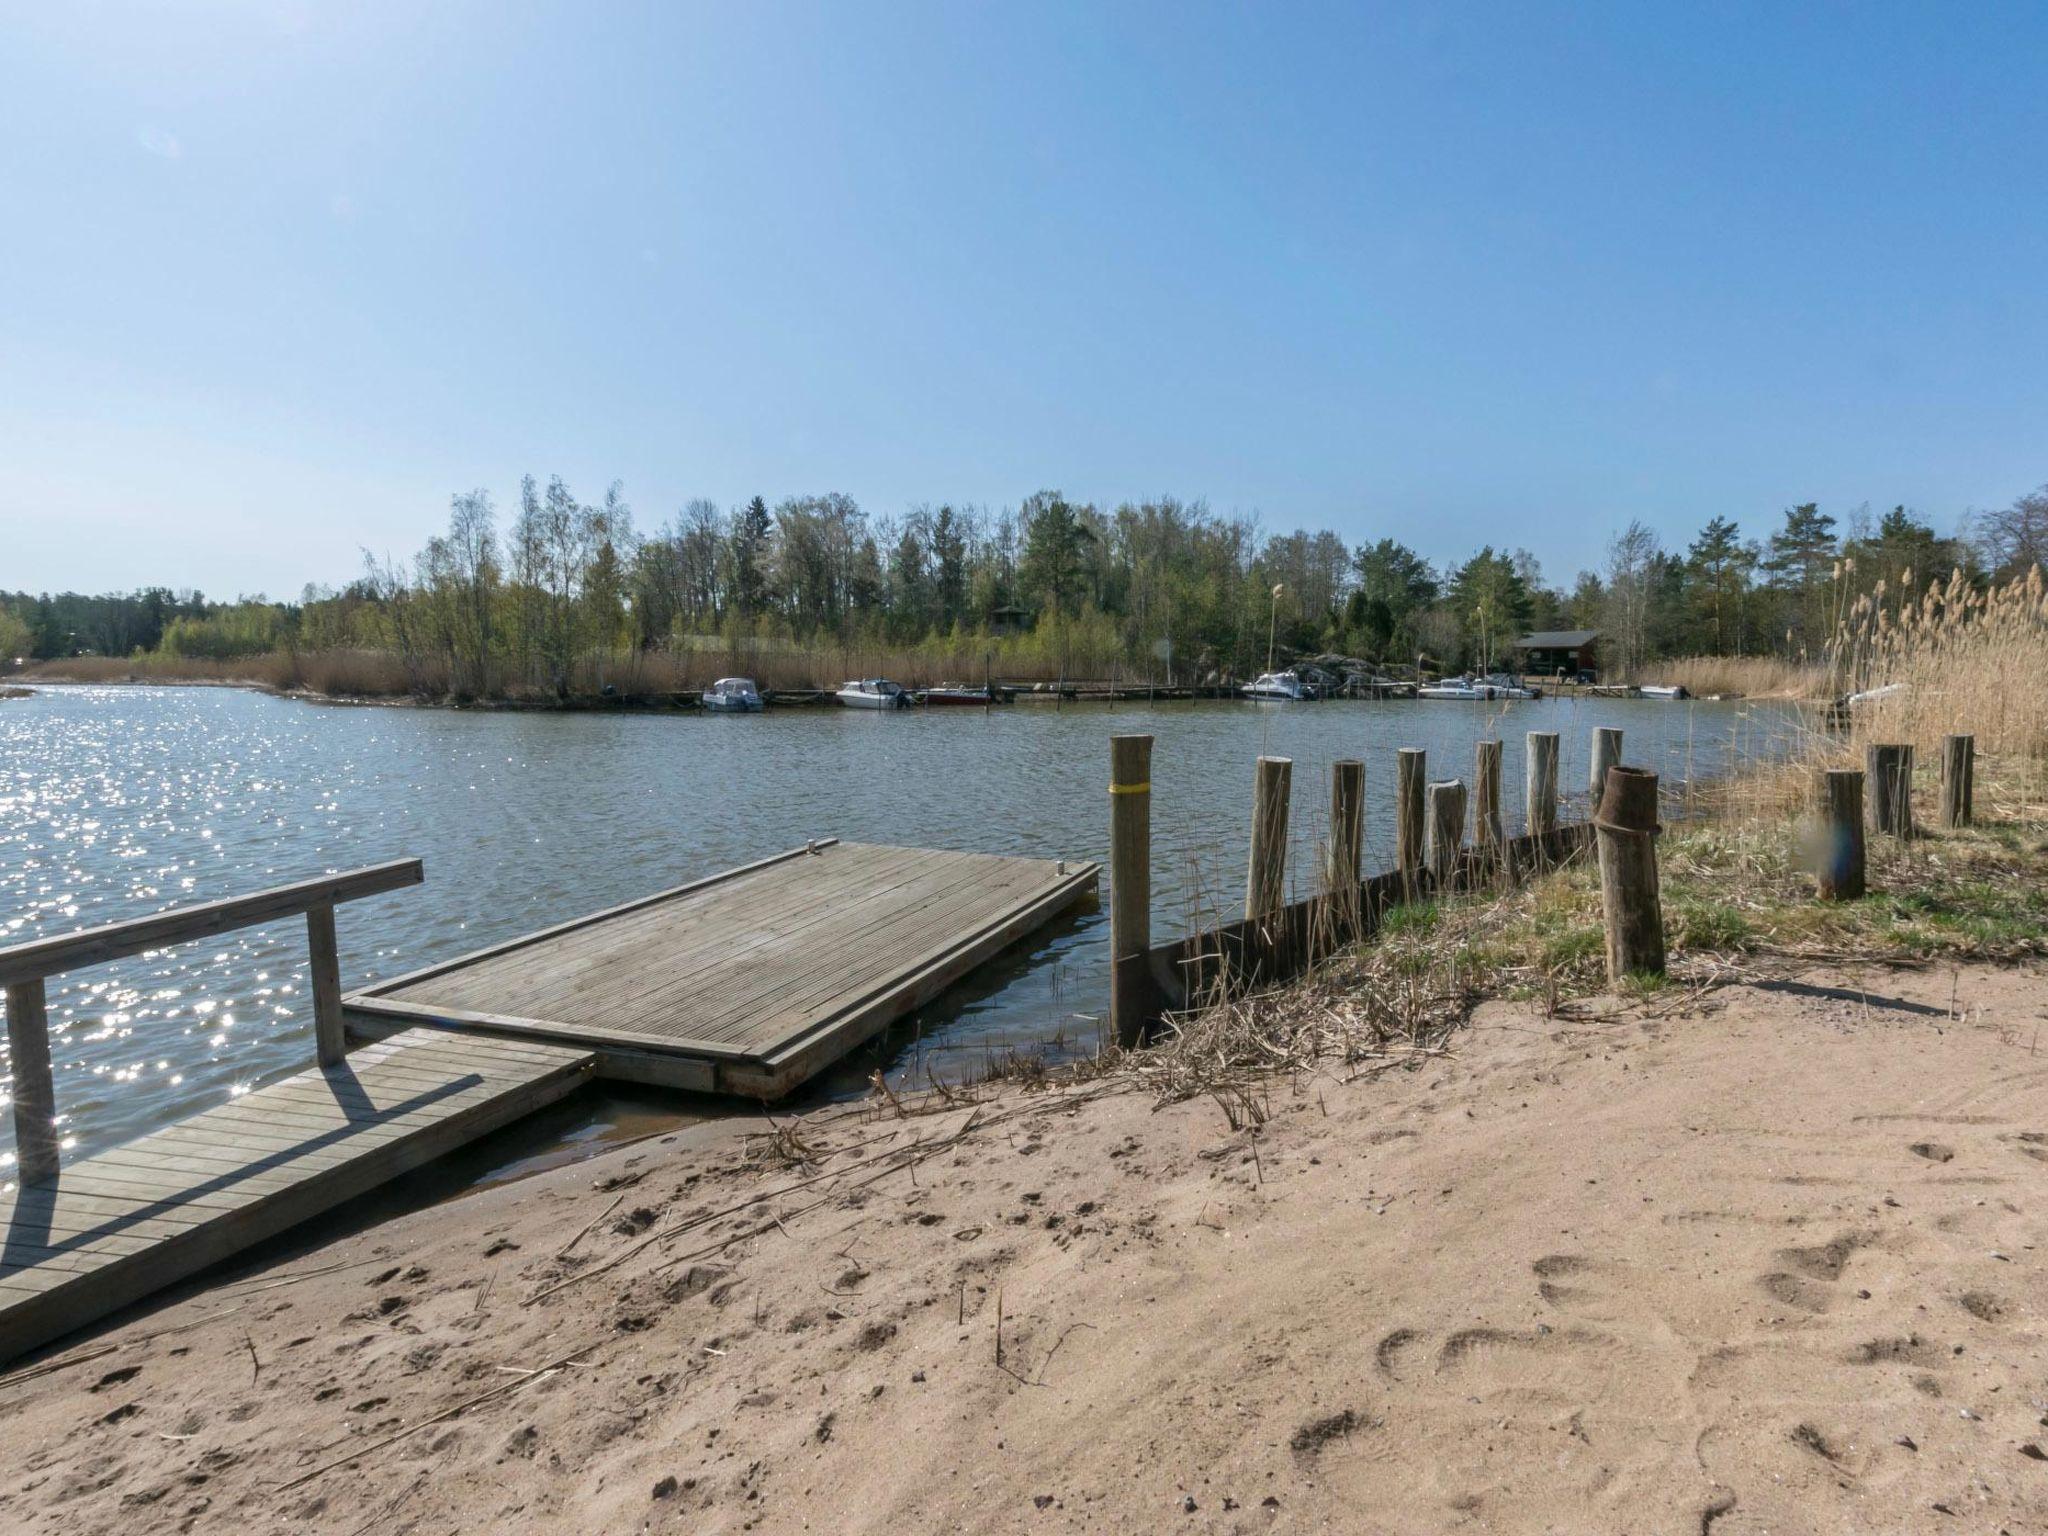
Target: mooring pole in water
1606,753
1958,780
1838,871
1345,869
1446,829
34,1091
1411,768
1486,827
1890,770
1266,876
1540,792
1130,886
1625,824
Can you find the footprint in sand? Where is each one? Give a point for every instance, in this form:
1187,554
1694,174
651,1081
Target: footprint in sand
1806,1277
2033,1144
1933,1151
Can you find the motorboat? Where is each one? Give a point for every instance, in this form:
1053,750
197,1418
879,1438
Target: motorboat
733,696
1277,686
1481,689
956,695
1664,691
873,693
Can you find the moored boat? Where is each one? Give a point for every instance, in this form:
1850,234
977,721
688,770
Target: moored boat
733,696
873,693
1481,689
1277,687
956,695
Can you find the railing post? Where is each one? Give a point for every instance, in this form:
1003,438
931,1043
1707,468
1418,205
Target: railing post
1958,780
1265,886
1411,767
1540,784
1130,885
1890,787
35,1095
1625,822
1839,869
329,1043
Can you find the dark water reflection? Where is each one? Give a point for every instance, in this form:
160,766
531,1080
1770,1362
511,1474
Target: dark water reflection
116,802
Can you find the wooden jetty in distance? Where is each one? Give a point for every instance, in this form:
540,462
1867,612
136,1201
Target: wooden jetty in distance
746,982
750,981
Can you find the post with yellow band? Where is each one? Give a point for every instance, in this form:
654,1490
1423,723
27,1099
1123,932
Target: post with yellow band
1130,886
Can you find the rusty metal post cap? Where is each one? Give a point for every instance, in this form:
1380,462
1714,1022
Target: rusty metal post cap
1628,802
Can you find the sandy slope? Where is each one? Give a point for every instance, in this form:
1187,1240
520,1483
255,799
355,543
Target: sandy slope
1771,1265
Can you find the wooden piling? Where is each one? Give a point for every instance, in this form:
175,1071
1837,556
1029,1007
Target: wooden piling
34,1092
1889,769
1446,829
1130,886
324,973
1606,753
1958,780
1625,825
1540,784
1265,886
1410,773
1345,867
1838,869
1486,827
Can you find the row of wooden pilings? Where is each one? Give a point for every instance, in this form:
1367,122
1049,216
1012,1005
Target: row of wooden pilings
1429,837
1879,796
1430,821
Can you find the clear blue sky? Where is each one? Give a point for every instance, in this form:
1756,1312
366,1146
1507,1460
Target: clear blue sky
280,277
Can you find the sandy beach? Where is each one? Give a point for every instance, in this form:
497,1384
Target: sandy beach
1763,1259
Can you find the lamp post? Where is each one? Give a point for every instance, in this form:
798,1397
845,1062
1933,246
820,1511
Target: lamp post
1272,622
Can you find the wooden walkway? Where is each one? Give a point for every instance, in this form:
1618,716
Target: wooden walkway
750,981
111,1229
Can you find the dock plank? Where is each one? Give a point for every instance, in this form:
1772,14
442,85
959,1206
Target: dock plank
112,1228
762,976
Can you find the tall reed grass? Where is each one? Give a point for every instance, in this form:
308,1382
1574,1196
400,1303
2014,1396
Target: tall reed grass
1752,677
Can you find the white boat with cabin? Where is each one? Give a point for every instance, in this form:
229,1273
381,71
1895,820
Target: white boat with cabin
733,696
1480,689
1277,687
873,693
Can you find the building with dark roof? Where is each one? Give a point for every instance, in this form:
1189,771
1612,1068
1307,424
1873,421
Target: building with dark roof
1551,651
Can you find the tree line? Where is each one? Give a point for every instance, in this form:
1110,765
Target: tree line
562,586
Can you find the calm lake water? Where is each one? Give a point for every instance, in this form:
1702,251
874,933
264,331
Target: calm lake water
115,802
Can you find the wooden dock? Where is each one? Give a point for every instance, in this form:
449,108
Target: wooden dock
750,981
108,1230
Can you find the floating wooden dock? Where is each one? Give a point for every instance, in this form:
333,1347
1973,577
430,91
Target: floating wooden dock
746,982
750,981
108,1230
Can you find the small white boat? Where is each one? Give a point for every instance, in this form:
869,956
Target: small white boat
1481,689
733,696
1277,686
1664,691
873,693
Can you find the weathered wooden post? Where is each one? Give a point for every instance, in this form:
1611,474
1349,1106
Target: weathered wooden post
1625,824
1958,780
1344,871
1838,869
330,1043
1541,783
1446,829
1410,771
1265,886
1486,828
35,1095
1606,753
1889,768
1130,886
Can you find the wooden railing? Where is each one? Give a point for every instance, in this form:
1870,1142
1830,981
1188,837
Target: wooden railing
25,967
